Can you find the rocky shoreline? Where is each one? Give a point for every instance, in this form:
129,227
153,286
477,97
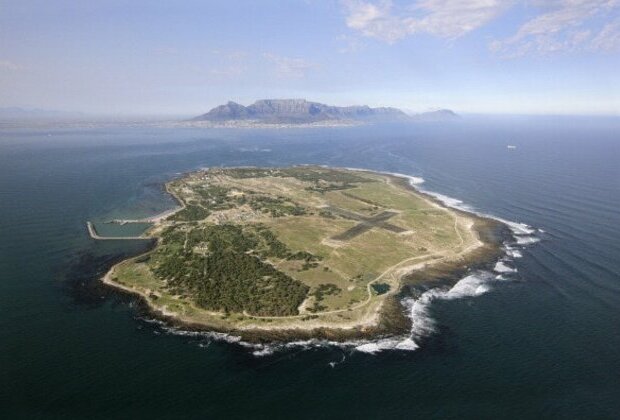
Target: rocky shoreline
392,318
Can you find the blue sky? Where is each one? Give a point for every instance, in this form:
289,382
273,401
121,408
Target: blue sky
183,57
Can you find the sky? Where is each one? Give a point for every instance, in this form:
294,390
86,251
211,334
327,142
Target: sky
140,57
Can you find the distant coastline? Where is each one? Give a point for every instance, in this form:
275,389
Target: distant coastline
262,114
252,124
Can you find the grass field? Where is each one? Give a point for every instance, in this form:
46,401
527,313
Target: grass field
291,220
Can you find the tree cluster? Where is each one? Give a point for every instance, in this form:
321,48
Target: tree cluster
230,277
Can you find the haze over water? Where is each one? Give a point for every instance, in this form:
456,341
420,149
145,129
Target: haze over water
539,342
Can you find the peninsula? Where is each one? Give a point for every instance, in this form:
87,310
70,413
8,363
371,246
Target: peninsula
306,251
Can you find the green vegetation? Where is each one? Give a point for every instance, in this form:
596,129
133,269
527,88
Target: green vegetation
327,214
228,278
272,246
380,288
189,213
275,206
324,289
215,197
258,246
323,187
310,174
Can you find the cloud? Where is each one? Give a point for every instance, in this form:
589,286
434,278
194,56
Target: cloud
558,25
229,64
376,20
349,44
608,39
455,18
443,18
287,67
7,65
567,25
229,72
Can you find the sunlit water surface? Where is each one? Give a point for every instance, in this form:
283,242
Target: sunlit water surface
541,341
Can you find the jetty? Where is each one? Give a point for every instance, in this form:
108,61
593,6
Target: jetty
93,234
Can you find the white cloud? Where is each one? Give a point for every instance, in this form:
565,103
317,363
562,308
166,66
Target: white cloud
230,72
287,67
7,65
608,39
559,25
567,25
442,18
349,44
376,20
455,18
229,65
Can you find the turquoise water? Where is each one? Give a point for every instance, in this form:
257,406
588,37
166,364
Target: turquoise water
539,342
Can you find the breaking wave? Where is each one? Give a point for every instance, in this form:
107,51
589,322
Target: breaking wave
418,310
513,252
413,180
472,285
523,234
502,267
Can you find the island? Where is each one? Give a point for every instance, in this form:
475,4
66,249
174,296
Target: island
299,252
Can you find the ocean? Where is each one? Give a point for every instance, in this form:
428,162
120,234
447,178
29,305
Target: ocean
537,335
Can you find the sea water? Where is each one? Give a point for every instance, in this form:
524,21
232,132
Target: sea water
535,335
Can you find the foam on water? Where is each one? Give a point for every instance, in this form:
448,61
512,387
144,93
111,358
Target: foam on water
448,201
501,267
524,233
518,228
413,180
265,351
215,336
472,285
422,324
512,252
418,310
405,344
527,240
333,364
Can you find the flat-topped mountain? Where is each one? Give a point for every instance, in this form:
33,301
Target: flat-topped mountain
298,111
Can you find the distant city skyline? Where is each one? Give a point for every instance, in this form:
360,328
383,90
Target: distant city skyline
183,58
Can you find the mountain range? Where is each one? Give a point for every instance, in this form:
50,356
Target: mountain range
301,111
